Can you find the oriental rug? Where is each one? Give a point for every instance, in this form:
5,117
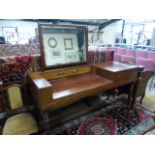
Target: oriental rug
115,119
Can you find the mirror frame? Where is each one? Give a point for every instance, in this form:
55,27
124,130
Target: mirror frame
43,61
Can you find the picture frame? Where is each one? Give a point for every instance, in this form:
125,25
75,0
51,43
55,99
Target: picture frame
67,38
56,54
68,42
10,34
52,42
71,57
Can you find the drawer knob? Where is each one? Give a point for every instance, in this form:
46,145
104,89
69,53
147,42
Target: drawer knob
74,70
61,73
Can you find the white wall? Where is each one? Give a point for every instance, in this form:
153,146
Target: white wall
25,29
113,31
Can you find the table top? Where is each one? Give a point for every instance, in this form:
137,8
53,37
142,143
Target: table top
114,66
77,84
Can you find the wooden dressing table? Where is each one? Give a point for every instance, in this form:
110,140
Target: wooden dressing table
52,91
62,85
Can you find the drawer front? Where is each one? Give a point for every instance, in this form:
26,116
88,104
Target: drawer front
129,76
105,74
60,73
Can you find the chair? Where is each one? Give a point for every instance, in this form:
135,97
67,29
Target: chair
127,58
141,84
138,89
1,102
21,123
152,81
117,57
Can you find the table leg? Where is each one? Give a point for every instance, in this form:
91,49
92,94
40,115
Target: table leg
44,122
131,98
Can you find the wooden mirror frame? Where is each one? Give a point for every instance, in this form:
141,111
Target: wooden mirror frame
43,61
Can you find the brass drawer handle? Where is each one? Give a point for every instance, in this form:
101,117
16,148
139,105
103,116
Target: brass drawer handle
61,73
74,70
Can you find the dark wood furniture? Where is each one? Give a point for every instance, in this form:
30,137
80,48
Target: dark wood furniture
63,80
56,88
141,84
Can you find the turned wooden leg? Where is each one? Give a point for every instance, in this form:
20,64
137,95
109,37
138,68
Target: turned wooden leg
133,101
87,102
131,95
44,122
141,99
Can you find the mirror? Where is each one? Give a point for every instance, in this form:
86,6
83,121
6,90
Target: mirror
62,45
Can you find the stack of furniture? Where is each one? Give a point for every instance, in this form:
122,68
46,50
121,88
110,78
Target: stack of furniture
140,57
95,54
99,54
14,69
145,58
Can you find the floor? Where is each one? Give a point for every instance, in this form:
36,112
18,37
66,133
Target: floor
149,99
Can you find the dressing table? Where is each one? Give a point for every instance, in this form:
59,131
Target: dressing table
66,77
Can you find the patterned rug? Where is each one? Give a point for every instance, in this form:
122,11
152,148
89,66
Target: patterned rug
115,119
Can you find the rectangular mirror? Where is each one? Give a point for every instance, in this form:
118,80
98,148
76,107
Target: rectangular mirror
62,45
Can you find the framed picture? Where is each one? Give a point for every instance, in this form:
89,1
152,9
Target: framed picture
10,34
52,42
56,53
71,57
60,44
68,42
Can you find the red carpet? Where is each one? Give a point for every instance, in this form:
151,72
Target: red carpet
116,119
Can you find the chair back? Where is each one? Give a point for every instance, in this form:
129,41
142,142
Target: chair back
142,82
14,96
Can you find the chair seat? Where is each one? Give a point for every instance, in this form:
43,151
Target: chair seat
21,124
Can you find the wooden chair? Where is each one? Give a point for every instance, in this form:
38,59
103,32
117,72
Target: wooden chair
140,87
137,89
21,123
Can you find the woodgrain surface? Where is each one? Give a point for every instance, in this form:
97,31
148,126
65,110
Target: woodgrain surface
78,82
65,72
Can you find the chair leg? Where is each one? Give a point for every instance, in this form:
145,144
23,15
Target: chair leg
87,102
133,101
141,99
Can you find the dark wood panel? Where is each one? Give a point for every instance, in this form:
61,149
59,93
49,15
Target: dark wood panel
73,85
65,72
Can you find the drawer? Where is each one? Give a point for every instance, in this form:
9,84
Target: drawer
130,75
60,73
